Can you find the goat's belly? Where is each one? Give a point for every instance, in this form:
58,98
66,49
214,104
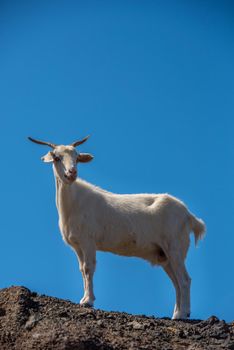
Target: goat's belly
128,250
153,253
124,249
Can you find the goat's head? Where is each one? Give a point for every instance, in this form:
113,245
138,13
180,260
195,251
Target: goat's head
65,159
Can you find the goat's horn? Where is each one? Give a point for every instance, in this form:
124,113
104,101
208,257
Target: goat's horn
77,143
52,145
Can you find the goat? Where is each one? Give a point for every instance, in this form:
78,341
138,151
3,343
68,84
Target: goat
154,227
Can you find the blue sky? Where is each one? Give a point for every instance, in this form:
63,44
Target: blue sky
152,82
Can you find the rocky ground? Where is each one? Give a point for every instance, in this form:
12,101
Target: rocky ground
32,321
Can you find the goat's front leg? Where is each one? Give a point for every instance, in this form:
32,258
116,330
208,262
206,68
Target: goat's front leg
87,260
80,257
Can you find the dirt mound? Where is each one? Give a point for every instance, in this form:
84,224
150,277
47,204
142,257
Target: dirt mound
32,321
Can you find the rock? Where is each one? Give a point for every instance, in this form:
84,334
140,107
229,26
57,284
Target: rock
212,319
135,325
30,321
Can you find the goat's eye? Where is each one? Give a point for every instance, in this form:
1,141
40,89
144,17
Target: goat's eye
56,158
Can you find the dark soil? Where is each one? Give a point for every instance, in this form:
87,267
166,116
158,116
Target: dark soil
32,321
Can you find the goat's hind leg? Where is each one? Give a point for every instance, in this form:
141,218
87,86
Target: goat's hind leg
184,282
169,270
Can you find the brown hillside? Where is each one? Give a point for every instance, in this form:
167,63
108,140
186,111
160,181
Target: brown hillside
31,321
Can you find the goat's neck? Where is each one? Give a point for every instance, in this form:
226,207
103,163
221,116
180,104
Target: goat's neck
70,198
63,198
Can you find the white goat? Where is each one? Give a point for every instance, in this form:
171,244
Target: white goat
155,227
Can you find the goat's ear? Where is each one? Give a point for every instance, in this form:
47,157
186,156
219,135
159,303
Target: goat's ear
47,158
84,157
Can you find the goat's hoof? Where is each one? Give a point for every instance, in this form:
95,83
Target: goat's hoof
180,316
86,305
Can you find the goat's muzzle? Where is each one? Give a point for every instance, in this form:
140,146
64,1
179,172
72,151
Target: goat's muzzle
71,174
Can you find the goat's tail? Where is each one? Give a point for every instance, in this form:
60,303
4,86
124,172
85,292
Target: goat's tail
198,227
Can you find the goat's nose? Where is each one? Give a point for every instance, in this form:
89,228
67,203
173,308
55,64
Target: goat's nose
72,171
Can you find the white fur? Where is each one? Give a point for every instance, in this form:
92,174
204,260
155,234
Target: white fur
154,227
